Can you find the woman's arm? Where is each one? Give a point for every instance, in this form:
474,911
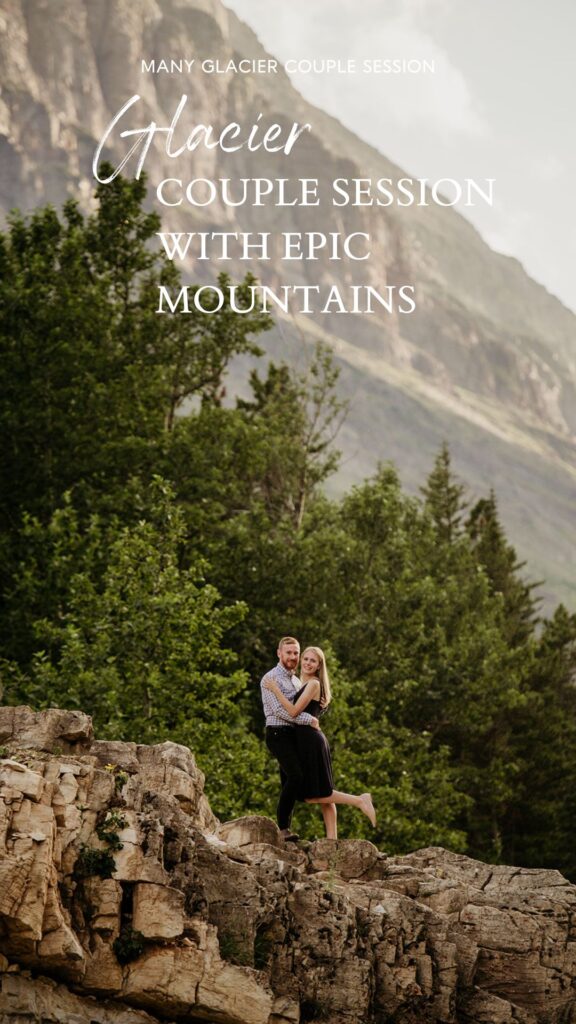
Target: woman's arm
310,692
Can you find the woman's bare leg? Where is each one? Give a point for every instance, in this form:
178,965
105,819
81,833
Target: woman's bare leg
363,802
330,815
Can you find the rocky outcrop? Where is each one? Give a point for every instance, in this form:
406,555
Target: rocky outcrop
124,901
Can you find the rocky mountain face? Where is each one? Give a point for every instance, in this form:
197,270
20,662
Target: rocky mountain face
487,360
123,900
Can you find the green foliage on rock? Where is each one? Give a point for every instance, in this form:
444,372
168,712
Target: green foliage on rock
128,946
92,862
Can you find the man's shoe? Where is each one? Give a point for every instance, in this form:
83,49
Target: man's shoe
288,836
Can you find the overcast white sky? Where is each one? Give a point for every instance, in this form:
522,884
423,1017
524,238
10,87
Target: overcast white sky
501,103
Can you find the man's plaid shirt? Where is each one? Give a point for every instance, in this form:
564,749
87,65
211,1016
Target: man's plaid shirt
276,715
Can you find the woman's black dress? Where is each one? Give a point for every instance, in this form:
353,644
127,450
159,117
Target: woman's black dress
314,755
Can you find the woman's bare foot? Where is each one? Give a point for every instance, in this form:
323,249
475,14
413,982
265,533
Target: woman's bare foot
368,807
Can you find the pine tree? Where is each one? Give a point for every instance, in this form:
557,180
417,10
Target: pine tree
502,567
444,497
539,830
302,415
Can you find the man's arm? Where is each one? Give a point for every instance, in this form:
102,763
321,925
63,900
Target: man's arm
309,692
272,706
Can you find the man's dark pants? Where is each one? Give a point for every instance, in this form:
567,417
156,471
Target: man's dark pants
281,742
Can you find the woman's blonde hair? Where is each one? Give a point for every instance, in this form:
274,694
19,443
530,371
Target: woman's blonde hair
323,677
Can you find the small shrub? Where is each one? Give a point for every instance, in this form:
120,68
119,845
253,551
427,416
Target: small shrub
312,1010
262,951
120,777
94,862
108,830
232,950
128,946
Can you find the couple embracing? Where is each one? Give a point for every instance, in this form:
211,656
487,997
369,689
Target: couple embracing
293,736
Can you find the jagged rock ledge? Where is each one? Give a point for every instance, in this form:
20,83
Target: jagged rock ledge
225,924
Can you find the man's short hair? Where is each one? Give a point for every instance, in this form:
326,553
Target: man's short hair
288,640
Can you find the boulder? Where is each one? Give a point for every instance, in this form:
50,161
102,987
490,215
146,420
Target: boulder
50,730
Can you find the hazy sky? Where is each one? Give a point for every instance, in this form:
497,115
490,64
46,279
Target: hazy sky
501,103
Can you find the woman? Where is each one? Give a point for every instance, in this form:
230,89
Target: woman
314,696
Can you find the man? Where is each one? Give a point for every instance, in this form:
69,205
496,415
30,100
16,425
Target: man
280,737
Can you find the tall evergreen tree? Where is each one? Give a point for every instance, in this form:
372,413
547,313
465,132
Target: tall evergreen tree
539,828
444,497
304,414
503,568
